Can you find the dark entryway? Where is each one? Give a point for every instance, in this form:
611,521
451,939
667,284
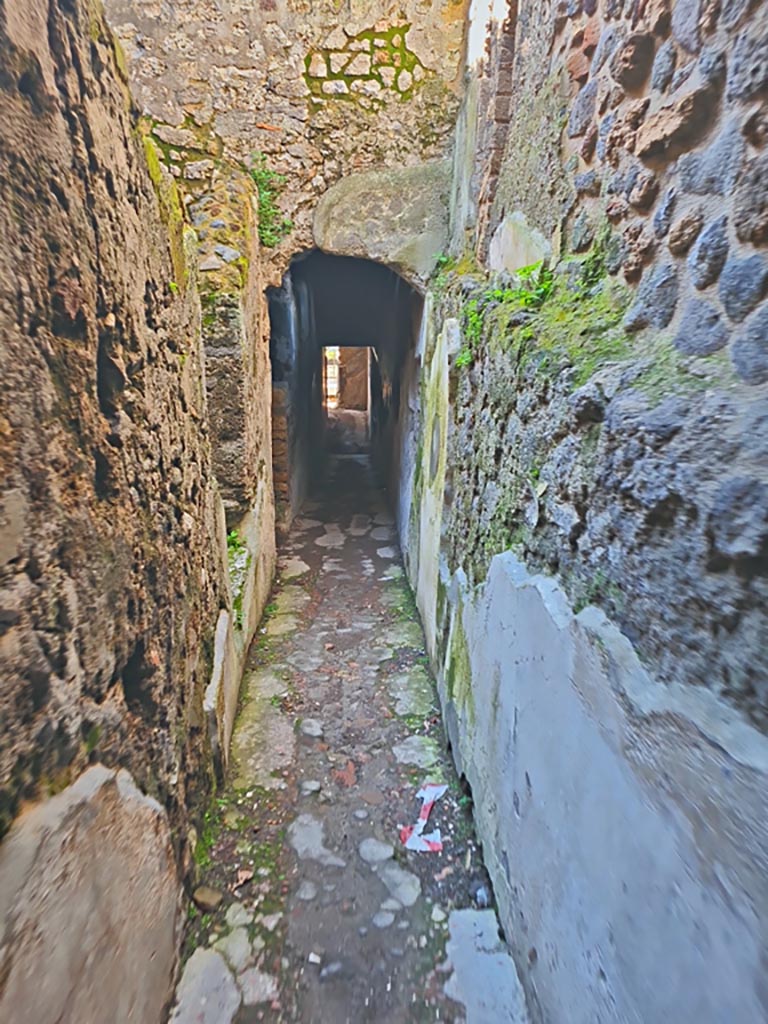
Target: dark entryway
341,328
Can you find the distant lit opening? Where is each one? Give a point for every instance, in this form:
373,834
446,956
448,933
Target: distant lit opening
347,398
331,376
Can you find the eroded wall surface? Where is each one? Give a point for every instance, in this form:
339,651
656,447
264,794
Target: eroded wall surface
584,503
111,565
113,572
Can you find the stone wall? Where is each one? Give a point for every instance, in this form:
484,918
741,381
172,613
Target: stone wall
583,499
317,92
112,572
121,639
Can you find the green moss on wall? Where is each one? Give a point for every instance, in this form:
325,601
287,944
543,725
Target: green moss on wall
458,669
374,56
171,209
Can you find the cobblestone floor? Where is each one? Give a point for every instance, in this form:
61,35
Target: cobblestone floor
317,913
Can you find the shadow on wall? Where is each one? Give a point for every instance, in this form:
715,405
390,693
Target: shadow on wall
341,301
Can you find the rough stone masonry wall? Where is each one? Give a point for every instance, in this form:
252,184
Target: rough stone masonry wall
587,515
648,476
320,90
111,559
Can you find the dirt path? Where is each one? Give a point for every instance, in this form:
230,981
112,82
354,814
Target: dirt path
334,920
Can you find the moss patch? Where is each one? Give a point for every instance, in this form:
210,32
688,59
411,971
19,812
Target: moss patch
458,669
171,209
370,65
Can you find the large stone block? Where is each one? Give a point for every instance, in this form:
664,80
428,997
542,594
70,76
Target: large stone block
89,906
397,217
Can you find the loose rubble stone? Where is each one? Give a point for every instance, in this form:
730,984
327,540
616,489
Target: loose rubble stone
701,331
312,727
207,993
237,916
383,919
708,255
306,837
235,948
743,284
749,351
310,787
685,231
656,299
307,891
206,898
418,750
403,886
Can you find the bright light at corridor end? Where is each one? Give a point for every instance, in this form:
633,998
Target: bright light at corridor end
481,14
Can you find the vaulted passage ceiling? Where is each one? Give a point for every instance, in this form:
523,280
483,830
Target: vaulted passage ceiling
356,301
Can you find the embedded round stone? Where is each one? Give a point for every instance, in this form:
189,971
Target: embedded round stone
707,258
743,284
701,330
373,851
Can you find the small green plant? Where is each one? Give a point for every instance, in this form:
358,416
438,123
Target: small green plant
92,739
464,358
173,287
473,323
273,226
537,283
234,544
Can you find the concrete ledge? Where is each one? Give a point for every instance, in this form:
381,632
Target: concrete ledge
624,823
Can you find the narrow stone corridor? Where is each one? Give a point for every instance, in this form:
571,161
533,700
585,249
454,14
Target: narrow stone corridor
312,909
